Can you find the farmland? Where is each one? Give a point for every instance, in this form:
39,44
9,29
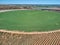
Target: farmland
30,20
29,24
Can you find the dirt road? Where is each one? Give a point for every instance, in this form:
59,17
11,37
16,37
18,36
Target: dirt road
12,10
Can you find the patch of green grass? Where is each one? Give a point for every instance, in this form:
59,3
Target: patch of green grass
30,20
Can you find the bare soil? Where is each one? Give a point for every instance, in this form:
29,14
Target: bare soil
29,38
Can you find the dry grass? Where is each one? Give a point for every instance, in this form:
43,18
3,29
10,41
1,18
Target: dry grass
29,38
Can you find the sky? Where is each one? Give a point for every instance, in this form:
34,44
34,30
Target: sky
29,1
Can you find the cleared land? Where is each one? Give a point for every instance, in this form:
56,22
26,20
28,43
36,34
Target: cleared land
45,38
30,20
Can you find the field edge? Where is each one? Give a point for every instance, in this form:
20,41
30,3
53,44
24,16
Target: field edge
22,32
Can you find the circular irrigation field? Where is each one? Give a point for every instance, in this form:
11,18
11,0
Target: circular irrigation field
30,20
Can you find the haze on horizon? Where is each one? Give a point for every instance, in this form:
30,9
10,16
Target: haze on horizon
29,1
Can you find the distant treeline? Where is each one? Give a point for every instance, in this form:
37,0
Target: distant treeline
14,7
26,6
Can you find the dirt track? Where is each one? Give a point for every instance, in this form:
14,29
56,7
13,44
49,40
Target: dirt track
12,10
5,10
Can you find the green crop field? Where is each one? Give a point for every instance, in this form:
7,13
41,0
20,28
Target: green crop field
30,20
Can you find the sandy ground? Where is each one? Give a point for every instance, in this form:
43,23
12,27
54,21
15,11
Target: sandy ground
21,32
29,38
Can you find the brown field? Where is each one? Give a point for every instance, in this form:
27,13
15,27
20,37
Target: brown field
29,38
